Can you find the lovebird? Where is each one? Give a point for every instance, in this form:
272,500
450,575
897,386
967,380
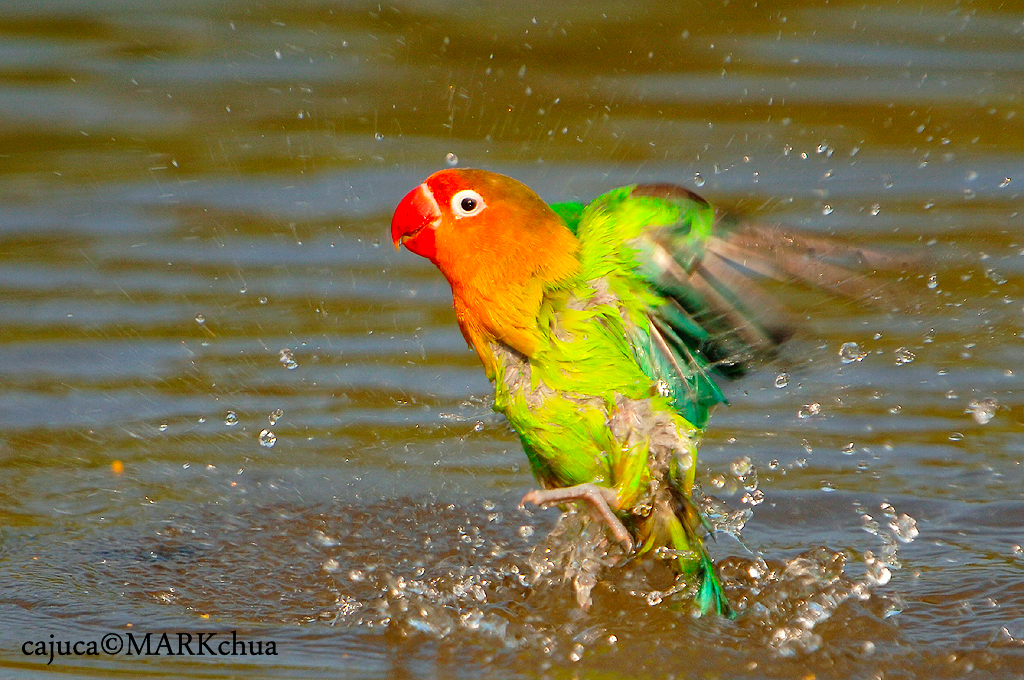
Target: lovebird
606,330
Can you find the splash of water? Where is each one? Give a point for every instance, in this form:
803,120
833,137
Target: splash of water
577,550
463,575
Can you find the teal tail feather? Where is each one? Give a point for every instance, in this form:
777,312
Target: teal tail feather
689,530
710,596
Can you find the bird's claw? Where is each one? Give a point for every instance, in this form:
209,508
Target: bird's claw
599,498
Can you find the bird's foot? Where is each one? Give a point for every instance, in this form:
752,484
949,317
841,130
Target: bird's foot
600,498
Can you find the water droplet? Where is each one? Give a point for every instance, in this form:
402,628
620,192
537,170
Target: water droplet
379,136
263,300
1004,183
875,209
933,281
904,356
267,439
827,486
287,359
895,409
808,410
755,497
848,449
878,572
684,463
741,466
451,160
773,464
664,389
163,427
479,427
231,419
275,416
200,319
956,436
904,528
983,410
698,179
324,540
851,352
995,277
331,565
525,531
781,380
826,209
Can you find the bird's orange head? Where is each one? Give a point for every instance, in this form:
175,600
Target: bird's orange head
498,244
453,208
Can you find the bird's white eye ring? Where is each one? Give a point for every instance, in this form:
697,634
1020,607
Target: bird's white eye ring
467,203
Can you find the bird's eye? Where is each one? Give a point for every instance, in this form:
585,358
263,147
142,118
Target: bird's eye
467,203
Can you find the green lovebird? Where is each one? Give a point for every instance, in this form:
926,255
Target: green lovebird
605,329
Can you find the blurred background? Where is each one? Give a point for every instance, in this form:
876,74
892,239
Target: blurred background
226,403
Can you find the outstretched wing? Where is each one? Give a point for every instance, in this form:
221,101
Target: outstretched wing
697,277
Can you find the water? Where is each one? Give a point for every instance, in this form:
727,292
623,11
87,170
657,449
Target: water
228,405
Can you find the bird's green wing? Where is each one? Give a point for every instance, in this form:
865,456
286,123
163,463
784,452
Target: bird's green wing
624,236
711,312
691,281
708,269
697,316
570,214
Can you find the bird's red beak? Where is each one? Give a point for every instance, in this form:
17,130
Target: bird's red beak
416,218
